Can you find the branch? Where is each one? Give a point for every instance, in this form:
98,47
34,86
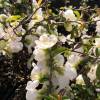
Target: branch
28,18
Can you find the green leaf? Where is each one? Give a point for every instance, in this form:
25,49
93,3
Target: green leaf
98,72
77,14
58,50
67,53
13,18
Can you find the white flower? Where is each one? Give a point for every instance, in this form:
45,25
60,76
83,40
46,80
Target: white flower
98,27
59,60
40,30
46,41
69,15
80,80
39,70
14,45
70,71
19,1
92,73
63,80
9,34
75,58
97,42
33,64
32,95
62,39
85,38
36,18
31,85
39,54
20,30
30,42
69,39
2,33
31,24
35,4
84,31
35,73
96,18
2,17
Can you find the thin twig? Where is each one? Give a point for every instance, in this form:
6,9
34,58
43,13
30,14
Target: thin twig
27,18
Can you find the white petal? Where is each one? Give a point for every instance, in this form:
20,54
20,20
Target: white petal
31,85
31,95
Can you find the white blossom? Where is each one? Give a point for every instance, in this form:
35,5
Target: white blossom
15,46
39,70
80,80
62,39
39,54
85,38
97,42
41,30
2,33
69,39
30,42
59,60
9,34
69,15
92,73
98,27
63,80
20,30
32,95
3,17
46,41
36,18
70,71
31,85
74,58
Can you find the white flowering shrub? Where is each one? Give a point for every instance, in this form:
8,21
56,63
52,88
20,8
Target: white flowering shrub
62,44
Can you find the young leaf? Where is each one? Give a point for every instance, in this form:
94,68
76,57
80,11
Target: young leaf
13,18
77,14
58,50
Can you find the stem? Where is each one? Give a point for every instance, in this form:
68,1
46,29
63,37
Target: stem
50,64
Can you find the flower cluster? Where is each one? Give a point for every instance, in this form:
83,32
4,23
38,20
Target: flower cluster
64,48
50,67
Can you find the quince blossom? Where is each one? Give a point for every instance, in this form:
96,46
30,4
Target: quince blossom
2,33
69,15
46,41
98,27
30,42
31,90
15,45
92,73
